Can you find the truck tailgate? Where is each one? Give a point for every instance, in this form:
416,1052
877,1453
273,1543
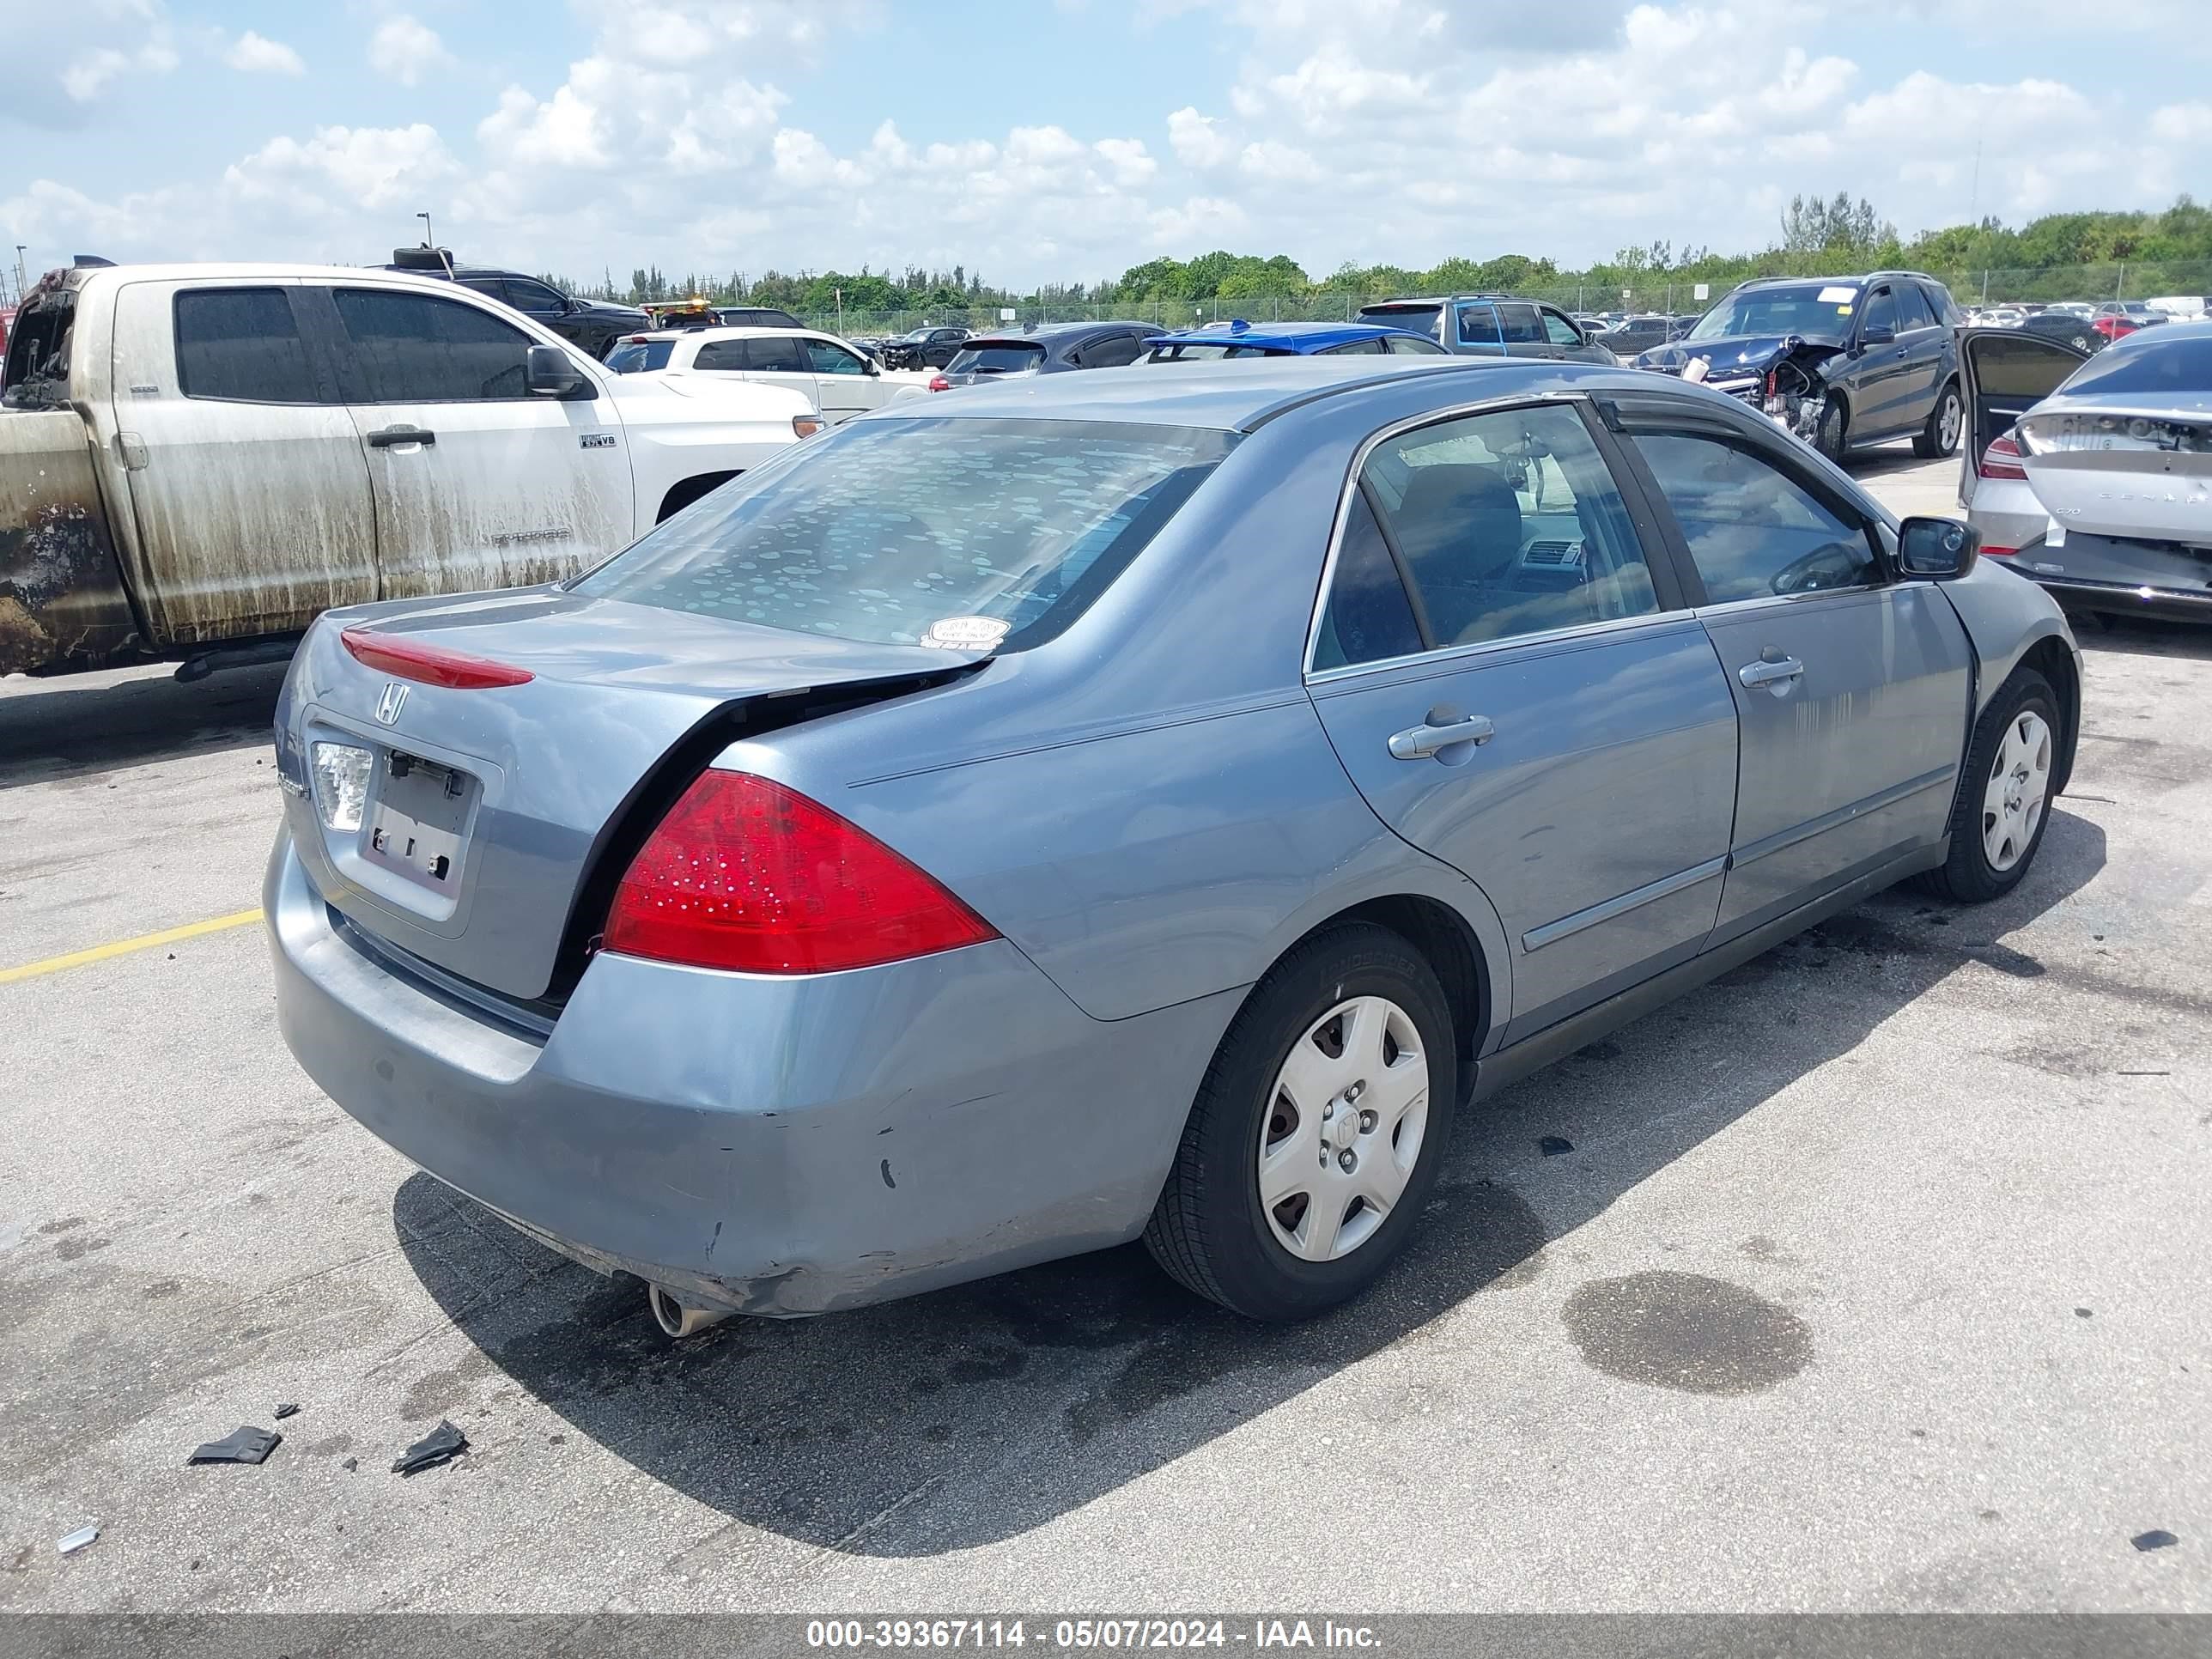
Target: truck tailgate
61,599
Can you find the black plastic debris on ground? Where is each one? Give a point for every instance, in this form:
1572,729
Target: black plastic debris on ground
2158,1538
290,1408
241,1445
350,1465
440,1445
1554,1145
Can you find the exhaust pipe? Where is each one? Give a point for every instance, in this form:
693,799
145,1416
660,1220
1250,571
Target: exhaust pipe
677,1319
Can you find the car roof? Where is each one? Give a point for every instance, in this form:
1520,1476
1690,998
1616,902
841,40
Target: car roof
1238,395
1299,337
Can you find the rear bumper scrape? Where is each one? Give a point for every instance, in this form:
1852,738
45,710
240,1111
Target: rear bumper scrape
768,1145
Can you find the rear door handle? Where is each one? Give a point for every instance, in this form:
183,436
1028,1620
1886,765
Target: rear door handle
1756,674
1422,742
385,437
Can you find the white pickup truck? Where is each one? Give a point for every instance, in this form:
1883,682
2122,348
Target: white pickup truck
195,460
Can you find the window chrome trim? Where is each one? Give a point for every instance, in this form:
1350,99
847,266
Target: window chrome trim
1567,638
1350,486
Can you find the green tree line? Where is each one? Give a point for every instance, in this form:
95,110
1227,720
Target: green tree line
1815,236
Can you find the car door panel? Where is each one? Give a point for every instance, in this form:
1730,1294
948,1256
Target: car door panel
478,484
1587,733
1875,382
1489,580
252,503
845,385
2003,373
1852,690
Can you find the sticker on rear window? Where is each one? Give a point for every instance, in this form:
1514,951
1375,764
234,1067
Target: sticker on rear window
1837,296
965,633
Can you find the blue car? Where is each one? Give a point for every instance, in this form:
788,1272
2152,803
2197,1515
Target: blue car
1243,339
1126,805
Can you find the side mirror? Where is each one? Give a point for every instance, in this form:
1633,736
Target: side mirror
1874,334
869,366
549,372
1942,550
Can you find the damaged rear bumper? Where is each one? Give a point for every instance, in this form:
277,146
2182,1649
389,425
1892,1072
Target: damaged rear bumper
765,1145
2121,576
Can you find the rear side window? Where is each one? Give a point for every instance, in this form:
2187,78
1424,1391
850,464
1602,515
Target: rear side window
1478,325
39,352
995,358
241,345
644,355
1912,308
1371,347
1520,324
775,354
1113,353
720,355
1368,618
1408,345
883,528
1508,524
413,348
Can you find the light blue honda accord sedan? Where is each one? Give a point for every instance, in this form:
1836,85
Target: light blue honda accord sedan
1143,803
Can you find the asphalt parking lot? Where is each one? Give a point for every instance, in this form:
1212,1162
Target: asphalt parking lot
1875,1280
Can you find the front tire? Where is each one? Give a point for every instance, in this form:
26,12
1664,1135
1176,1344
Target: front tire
2004,798
1832,437
1940,436
1317,1132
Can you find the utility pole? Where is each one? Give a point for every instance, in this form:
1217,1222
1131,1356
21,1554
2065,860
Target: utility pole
841,311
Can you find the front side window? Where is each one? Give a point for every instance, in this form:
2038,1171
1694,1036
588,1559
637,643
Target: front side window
241,345
1880,313
1558,331
1753,532
1507,524
413,348
882,528
830,358
525,295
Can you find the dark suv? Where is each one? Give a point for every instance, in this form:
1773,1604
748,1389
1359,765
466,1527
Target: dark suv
592,325
1491,325
925,348
1839,360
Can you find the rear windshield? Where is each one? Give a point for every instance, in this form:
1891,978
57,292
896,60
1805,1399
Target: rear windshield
1422,319
995,358
1194,352
635,359
884,527
2156,367
37,374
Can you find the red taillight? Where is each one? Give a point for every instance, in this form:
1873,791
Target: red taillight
1998,552
2001,459
747,875
939,383
432,665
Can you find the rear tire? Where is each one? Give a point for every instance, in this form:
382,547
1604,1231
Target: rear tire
2004,804
1940,436
1831,439
1269,1104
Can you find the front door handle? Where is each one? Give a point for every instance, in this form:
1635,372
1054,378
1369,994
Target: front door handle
387,437
1756,674
1422,742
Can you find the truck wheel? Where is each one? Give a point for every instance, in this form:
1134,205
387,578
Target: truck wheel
1318,1132
2004,796
1939,437
1829,439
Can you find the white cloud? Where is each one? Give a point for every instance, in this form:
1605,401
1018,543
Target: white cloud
1198,140
405,50
255,54
84,76
1132,162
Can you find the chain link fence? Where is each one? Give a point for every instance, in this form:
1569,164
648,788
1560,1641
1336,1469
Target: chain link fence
1672,296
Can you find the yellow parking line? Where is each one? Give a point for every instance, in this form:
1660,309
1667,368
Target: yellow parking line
123,947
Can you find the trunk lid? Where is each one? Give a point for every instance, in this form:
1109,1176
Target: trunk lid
2124,465
493,820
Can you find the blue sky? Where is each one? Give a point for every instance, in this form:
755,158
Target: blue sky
1065,141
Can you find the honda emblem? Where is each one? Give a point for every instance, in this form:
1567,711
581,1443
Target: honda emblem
391,701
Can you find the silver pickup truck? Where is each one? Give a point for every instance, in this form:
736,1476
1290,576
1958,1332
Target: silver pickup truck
195,458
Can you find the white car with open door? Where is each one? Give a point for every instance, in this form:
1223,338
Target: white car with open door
2094,475
842,380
